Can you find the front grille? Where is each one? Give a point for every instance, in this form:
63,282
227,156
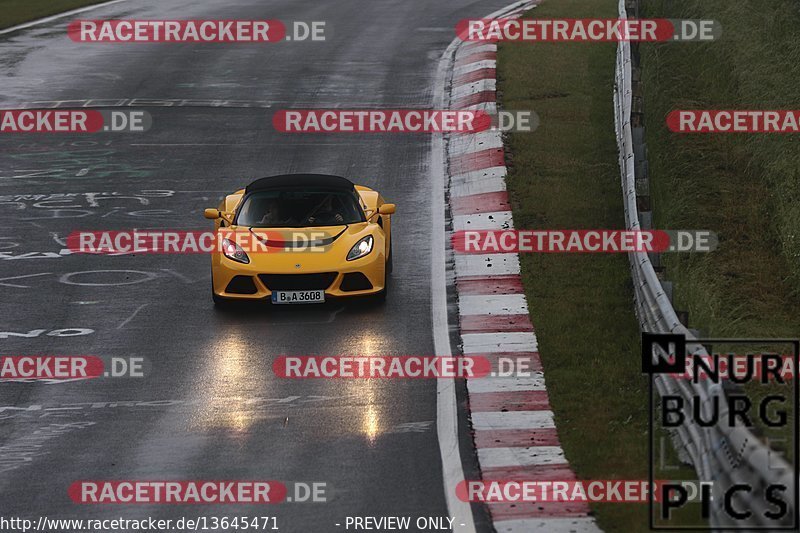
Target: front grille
298,282
241,285
355,281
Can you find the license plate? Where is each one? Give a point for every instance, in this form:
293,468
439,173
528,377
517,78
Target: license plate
298,297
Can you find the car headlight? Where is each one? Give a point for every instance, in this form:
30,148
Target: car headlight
361,248
234,252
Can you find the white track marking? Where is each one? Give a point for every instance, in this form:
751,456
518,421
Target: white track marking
530,456
487,180
487,265
58,16
477,65
513,420
504,384
497,304
480,175
186,144
446,407
477,187
460,144
22,277
474,87
496,220
507,341
127,320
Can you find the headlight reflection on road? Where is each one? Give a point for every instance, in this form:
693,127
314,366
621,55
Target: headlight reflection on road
371,390
220,406
371,424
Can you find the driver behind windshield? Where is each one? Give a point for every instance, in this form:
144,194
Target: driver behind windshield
298,209
272,215
264,212
326,214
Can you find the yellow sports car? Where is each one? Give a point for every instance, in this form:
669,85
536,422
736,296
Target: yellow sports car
301,238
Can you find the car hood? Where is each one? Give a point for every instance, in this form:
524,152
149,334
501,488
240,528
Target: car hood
277,258
298,239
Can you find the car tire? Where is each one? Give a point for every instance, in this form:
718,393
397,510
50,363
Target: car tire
381,296
219,302
373,300
390,260
378,298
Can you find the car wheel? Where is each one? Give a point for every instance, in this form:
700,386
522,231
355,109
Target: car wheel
218,302
389,261
377,298
381,296
373,300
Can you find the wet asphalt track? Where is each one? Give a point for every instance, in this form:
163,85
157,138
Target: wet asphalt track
210,407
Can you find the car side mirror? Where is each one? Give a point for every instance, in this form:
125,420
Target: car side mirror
212,214
387,209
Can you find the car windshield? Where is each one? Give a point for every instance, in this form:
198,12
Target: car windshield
300,208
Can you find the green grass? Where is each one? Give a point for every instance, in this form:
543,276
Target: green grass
566,175
746,187
13,12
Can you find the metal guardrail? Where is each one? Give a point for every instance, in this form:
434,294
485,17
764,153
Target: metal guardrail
722,454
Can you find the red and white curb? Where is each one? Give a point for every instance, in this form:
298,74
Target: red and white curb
515,435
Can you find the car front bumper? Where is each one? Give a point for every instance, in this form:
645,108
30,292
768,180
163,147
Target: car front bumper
256,281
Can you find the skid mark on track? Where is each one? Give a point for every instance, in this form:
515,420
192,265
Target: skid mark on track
21,451
35,411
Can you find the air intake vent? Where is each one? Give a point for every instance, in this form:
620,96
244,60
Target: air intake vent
355,281
298,282
241,285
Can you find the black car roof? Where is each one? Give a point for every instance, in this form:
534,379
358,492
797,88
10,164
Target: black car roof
303,181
